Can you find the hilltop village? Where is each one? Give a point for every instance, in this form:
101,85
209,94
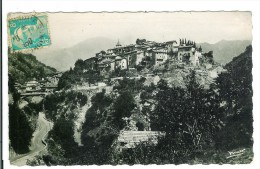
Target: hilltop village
140,66
148,59
145,53
140,59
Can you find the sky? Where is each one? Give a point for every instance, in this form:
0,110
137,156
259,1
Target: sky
68,29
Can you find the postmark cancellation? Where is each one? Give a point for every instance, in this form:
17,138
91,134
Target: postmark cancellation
28,31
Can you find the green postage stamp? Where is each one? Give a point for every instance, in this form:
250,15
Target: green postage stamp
28,32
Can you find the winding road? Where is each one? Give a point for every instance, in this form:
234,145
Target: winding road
37,145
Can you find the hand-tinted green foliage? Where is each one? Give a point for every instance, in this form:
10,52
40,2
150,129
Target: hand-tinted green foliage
82,72
190,117
61,137
67,79
20,131
62,133
123,106
130,85
145,95
196,120
24,67
140,41
97,114
208,57
98,131
51,104
102,125
119,73
54,102
162,85
235,88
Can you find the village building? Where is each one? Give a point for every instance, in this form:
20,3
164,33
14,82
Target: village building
51,79
195,58
139,57
149,52
131,58
33,86
171,45
146,53
106,65
185,52
121,63
161,56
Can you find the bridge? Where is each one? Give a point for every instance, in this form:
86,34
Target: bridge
34,94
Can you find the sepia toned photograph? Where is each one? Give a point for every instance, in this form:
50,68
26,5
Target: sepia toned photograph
115,88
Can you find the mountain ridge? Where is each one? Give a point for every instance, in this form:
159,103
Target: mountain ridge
82,50
223,51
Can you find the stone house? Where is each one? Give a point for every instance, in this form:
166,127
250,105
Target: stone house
32,86
121,63
161,56
195,58
185,52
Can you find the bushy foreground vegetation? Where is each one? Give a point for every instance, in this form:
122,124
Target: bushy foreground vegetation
25,67
201,125
22,121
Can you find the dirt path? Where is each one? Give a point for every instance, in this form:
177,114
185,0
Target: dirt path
37,146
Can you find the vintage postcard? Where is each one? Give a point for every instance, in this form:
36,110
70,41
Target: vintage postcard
114,88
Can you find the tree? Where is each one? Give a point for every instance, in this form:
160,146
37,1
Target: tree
79,64
20,131
209,56
140,126
63,133
235,89
123,106
140,41
96,114
162,84
91,77
103,52
189,117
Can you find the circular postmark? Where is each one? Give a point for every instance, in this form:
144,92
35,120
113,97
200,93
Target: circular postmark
28,32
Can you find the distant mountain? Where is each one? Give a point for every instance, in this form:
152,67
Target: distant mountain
224,51
69,56
24,67
242,64
63,59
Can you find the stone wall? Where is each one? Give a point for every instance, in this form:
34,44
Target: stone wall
129,139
